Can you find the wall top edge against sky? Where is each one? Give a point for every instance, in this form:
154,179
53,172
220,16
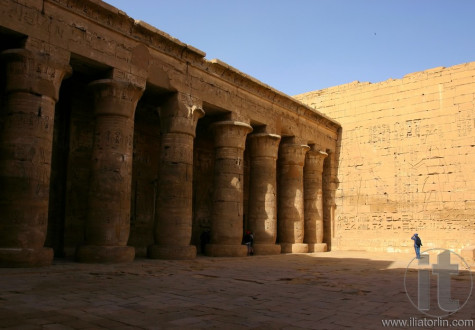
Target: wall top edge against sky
306,45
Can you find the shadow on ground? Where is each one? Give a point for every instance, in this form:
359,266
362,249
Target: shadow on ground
294,291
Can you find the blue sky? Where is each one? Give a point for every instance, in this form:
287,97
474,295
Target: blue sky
298,46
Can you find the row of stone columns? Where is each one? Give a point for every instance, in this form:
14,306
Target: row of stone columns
300,199
300,225
27,122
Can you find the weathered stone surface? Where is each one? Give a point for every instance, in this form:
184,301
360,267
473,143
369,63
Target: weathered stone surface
294,247
263,192
267,249
403,162
313,196
468,254
108,217
105,254
291,197
154,179
26,142
145,171
172,251
406,160
173,227
317,247
335,290
25,257
227,215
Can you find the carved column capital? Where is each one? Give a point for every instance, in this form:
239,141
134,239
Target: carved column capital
314,160
264,145
180,114
293,154
230,134
32,72
113,97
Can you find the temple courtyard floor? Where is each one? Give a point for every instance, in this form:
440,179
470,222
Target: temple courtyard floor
332,290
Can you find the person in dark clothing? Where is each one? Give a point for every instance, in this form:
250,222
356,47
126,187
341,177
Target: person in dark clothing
417,245
249,241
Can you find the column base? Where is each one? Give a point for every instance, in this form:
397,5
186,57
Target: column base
294,247
223,250
317,247
185,252
23,257
267,249
105,254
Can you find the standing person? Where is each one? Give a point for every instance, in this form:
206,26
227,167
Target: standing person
417,245
249,241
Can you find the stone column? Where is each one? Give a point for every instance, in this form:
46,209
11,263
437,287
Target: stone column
262,193
227,212
174,217
108,209
32,83
330,186
313,196
291,200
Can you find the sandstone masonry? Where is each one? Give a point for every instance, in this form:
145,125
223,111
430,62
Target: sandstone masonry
406,160
117,140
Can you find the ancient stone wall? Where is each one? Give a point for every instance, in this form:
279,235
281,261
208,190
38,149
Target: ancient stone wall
118,140
406,161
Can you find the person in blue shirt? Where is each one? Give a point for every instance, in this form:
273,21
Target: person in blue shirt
417,245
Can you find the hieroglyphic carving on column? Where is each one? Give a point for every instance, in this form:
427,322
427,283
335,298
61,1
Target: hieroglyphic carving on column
227,212
32,83
108,219
263,192
291,199
313,195
173,223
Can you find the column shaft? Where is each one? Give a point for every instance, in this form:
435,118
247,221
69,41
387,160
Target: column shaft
291,199
174,220
330,186
313,195
32,84
263,192
108,216
227,212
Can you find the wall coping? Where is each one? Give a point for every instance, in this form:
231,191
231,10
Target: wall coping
117,20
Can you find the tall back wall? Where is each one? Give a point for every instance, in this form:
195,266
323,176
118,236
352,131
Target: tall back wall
406,162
